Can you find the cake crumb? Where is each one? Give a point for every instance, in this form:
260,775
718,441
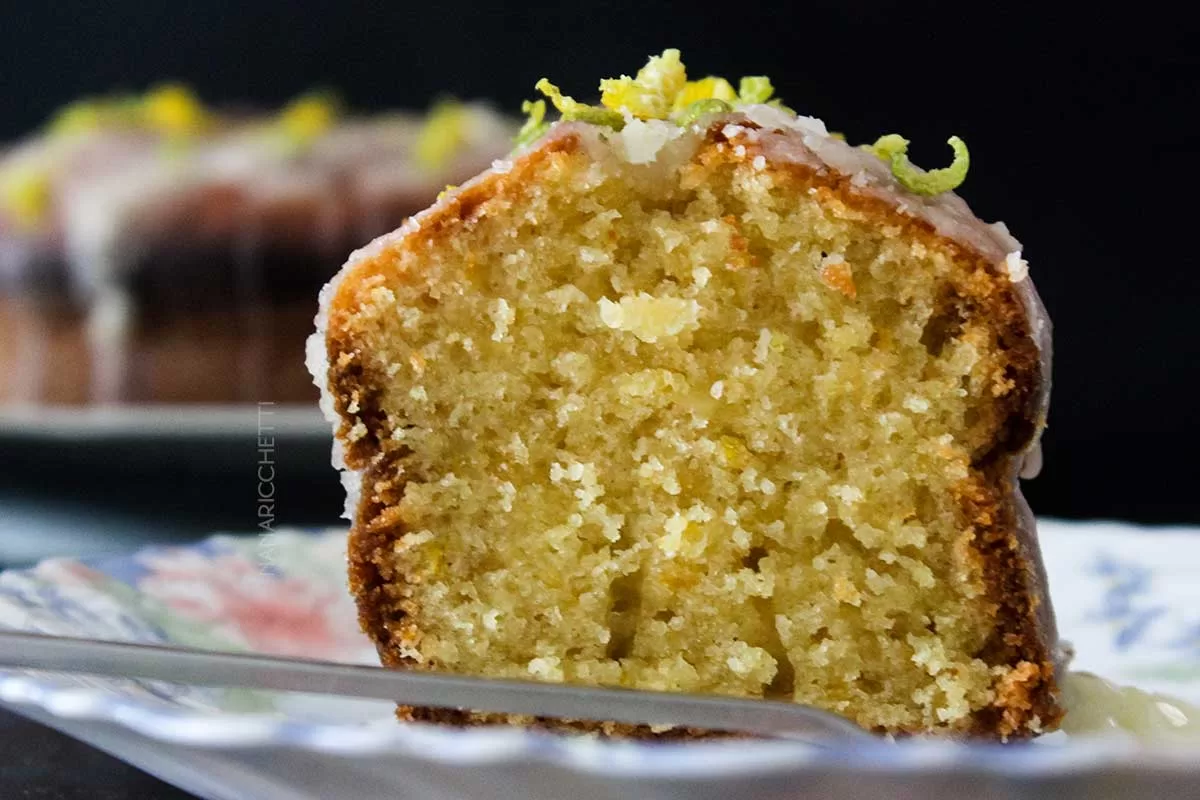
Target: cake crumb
837,275
547,668
502,316
649,318
916,404
507,493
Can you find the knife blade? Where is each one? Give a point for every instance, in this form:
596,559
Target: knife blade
411,687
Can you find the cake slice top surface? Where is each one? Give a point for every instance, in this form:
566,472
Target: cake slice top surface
639,116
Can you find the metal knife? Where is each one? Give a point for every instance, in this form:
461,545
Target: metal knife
411,687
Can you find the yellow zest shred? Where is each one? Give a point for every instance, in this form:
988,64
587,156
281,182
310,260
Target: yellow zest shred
660,90
309,116
709,88
443,134
171,110
651,95
25,194
894,149
174,111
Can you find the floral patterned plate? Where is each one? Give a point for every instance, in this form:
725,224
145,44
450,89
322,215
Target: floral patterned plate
1126,597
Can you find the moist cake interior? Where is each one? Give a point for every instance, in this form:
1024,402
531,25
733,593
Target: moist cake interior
705,426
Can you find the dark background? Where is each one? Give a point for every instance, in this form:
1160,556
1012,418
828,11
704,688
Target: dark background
1078,120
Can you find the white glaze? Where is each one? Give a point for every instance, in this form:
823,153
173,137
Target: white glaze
1097,706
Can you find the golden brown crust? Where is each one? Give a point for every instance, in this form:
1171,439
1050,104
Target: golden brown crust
348,378
979,294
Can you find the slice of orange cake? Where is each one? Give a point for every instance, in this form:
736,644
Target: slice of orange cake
691,395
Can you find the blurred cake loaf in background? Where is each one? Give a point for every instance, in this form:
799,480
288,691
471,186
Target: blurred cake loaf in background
154,250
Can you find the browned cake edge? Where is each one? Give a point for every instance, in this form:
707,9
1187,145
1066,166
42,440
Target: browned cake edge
1025,637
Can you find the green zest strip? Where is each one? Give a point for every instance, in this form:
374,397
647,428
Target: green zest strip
700,108
894,148
572,110
535,124
755,89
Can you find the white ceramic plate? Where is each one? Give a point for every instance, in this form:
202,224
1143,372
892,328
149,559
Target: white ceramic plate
1126,597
